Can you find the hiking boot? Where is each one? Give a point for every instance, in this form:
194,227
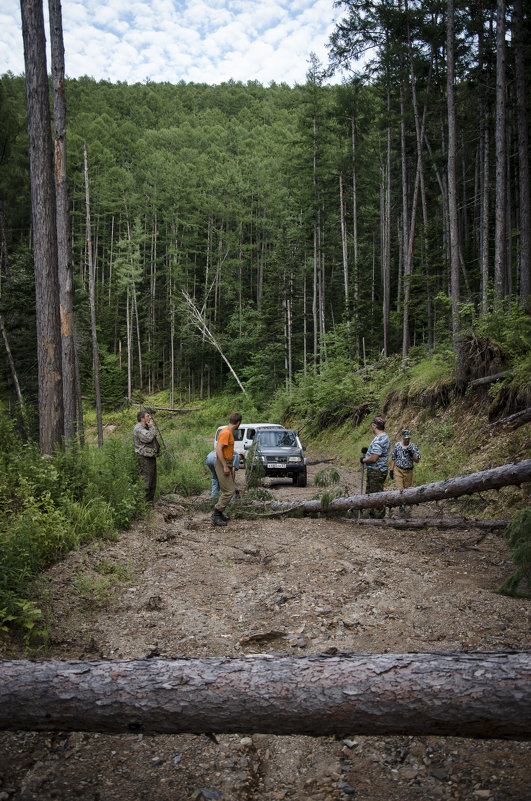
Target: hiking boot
224,517
217,518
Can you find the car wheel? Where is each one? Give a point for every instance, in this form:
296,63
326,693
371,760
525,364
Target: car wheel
302,478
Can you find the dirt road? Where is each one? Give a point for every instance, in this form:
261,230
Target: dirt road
285,586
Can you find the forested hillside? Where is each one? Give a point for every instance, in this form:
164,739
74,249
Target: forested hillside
284,227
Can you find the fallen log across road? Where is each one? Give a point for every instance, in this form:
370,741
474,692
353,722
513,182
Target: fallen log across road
474,694
516,474
447,523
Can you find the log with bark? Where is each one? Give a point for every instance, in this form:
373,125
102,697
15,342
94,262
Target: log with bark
167,409
516,474
480,694
435,522
489,379
513,421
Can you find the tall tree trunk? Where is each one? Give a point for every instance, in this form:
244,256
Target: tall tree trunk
315,318
484,216
345,253
4,255
355,230
92,302
523,152
453,227
64,244
387,227
406,259
14,378
500,237
51,414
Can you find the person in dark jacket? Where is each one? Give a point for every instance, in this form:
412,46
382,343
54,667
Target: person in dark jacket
147,450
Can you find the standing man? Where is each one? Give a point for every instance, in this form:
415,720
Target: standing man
224,469
376,462
405,453
147,450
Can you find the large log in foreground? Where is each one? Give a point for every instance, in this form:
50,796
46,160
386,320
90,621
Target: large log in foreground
516,474
485,695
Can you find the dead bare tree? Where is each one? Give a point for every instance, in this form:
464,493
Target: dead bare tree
92,300
201,324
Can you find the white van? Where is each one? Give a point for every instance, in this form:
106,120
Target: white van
244,436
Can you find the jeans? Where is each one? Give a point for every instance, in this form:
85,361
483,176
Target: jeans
210,461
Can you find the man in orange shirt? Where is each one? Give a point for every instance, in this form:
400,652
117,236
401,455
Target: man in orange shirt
224,469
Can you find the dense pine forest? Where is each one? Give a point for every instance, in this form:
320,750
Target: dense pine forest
242,235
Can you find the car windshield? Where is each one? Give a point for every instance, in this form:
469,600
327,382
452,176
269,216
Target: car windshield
276,439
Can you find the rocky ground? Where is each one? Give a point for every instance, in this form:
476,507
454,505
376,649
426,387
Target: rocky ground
174,585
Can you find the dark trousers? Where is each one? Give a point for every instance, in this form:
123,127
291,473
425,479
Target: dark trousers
148,471
375,483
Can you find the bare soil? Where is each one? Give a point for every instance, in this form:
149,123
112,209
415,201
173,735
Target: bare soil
276,585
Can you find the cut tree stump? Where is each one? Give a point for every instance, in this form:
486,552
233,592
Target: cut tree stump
516,474
481,694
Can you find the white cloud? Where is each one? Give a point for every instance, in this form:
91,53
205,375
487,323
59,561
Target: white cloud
208,41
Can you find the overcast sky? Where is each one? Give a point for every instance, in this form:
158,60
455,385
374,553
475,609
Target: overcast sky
201,41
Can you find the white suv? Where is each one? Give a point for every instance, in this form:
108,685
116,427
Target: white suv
244,436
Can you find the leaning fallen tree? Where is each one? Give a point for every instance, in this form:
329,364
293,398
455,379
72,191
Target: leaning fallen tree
482,694
515,474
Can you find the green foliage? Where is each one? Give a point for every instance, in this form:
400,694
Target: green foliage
327,477
25,616
181,469
94,592
327,497
109,567
509,325
113,381
430,374
330,394
518,534
254,467
50,505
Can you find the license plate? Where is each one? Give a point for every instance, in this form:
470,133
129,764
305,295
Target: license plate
277,465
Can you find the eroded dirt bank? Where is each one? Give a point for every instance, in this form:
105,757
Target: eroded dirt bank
285,586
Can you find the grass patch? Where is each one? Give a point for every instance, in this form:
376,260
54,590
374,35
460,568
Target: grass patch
327,477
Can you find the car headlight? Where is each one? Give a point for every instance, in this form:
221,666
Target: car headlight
295,459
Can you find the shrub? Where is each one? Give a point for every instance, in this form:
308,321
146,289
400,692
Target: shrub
518,534
327,477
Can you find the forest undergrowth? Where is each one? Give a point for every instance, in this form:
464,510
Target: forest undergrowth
49,506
